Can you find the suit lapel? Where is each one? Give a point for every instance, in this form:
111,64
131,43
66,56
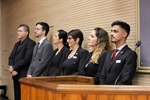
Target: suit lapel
58,55
43,42
119,54
22,45
117,57
54,55
16,47
78,52
61,51
75,57
109,60
36,48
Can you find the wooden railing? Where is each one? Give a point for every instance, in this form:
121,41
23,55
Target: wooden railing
78,88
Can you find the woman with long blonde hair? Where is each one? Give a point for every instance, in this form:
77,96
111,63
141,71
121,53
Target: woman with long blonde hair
99,41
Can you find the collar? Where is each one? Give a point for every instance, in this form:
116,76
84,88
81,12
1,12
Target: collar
41,40
21,42
120,48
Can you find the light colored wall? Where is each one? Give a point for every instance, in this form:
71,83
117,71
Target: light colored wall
0,41
62,14
4,41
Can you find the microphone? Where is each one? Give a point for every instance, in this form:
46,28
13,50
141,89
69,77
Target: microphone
51,27
136,46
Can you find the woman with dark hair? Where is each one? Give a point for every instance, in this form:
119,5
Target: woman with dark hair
77,55
59,54
99,41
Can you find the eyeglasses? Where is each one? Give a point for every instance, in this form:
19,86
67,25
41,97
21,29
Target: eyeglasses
69,38
37,29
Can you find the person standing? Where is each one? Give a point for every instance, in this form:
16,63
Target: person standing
20,58
76,56
59,55
42,51
99,41
120,64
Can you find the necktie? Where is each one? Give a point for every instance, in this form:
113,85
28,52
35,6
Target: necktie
37,46
114,54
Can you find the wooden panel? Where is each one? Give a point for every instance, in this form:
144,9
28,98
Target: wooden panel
101,97
68,15
32,93
141,79
25,92
66,79
58,91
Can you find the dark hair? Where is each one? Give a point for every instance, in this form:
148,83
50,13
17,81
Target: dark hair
26,28
45,27
76,33
63,35
123,25
103,37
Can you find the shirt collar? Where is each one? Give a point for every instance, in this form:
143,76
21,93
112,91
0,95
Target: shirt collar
21,42
121,47
42,40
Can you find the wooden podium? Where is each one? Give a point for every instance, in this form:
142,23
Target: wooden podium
78,88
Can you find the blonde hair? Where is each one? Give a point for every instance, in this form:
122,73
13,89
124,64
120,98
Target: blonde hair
103,44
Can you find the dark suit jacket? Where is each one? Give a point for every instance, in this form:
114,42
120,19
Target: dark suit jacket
72,66
93,70
41,58
20,58
125,63
55,64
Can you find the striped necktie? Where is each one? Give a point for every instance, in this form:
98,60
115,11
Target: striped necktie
114,54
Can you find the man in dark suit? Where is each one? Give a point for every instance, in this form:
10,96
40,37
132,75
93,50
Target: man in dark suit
120,66
20,58
42,52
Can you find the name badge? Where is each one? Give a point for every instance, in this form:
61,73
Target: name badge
75,57
118,61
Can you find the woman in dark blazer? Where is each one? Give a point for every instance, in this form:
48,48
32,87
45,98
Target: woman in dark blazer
59,54
99,41
77,55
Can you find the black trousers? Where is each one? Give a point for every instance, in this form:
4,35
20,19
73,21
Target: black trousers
17,91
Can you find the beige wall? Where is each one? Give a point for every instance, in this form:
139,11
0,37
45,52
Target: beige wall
62,14
5,77
0,43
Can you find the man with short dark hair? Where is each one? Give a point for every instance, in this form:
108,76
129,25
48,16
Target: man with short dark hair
120,64
20,58
42,51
